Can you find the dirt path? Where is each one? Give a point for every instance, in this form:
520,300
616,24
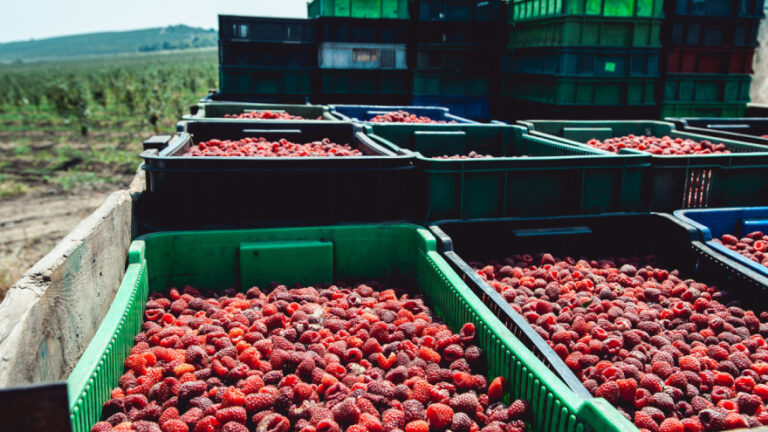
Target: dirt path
31,225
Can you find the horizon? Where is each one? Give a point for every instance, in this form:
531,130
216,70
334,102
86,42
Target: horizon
61,19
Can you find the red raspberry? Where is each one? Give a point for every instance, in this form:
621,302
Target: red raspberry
496,389
256,402
439,416
762,391
689,363
235,414
735,421
465,402
461,423
429,355
651,383
417,426
174,425
207,424
422,391
393,417
609,391
234,427
346,412
744,384
519,409
671,425
233,397
463,380
413,410
748,404
644,421
627,389
370,422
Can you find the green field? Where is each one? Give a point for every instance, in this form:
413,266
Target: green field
70,124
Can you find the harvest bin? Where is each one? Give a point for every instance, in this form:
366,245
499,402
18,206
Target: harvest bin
588,61
376,9
675,182
261,29
403,253
738,221
593,237
211,192
525,10
527,175
710,32
364,113
751,130
586,31
218,110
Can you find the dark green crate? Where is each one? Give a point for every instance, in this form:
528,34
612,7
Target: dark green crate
586,31
447,83
254,80
364,82
217,110
581,90
374,9
551,179
706,88
675,182
526,10
406,253
675,109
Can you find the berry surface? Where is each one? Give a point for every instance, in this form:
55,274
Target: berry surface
266,115
752,246
664,146
261,147
401,116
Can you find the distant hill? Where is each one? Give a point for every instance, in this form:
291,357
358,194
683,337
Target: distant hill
109,43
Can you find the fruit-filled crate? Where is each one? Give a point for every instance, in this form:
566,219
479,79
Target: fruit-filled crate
370,183
261,29
715,8
475,108
677,181
590,61
241,111
528,10
747,129
738,222
404,256
707,60
498,170
501,258
586,31
695,31
372,9
377,113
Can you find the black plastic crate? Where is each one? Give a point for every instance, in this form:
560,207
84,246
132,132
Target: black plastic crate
440,32
456,10
238,192
265,80
257,98
592,61
751,130
710,31
714,8
675,244
511,109
264,54
456,57
338,29
261,29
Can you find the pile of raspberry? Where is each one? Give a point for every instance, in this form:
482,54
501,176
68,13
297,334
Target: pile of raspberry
665,350
752,246
266,115
401,116
261,147
353,358
472,155
664,146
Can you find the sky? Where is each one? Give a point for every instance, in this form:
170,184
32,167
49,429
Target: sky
38,19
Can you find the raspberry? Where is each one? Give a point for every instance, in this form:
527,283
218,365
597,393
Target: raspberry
519,409
422,391
748,404
256,402
234,427
463,380
233,397
370,422
691,424
346,412
235,414
644,421
413,410
496,388
744,383
465,402
393,417
735,421
671,425
651,383
207,424
174,425
689,363
439,416
417,426
429,355
627,389
461,423
609,391
762,391
713,419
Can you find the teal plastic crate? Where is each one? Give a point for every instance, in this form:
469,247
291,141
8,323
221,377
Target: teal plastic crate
527,175
240,259
449,83
373,9
269,81
675,182
687,109
586,31
363,82
706,88
581,90
526,10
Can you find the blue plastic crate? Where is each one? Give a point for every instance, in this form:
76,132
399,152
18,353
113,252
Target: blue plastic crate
738,221
476,108
363,113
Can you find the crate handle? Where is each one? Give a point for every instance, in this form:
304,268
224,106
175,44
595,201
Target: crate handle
728,126
271,131
542,232
751,225
262,110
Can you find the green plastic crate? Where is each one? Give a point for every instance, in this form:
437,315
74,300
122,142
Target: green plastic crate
375,9
254,80
218,110
442,83
362,82
673,109
674,182
586,31
728,88
241,259
526,10
552,179
581,90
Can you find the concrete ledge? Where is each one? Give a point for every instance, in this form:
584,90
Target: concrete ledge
50,315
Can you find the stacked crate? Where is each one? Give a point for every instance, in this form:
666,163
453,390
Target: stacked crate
362,51
581,58
707,57
266,59
455,54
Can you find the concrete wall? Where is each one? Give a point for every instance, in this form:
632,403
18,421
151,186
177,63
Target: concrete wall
50,315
